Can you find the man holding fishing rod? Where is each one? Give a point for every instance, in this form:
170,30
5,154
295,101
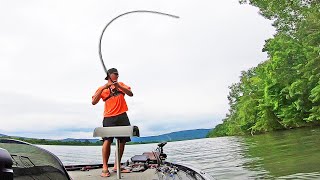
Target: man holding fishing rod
115,108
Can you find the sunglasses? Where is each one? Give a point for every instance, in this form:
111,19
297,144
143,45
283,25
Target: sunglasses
116,74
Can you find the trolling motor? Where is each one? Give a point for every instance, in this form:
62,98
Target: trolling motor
162,155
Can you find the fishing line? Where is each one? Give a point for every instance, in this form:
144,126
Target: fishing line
130,12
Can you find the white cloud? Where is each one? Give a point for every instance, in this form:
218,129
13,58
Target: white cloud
179,69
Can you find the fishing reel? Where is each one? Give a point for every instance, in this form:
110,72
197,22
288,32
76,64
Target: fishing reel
114,92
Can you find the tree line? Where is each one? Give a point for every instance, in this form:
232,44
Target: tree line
67,143
282,92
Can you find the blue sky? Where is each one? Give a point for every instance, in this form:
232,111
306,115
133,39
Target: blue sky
179,69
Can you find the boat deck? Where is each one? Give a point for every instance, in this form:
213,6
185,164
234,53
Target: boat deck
149,174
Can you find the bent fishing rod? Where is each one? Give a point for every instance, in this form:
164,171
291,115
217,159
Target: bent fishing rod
130,12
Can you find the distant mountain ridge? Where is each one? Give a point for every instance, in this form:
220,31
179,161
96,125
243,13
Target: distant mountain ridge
173,136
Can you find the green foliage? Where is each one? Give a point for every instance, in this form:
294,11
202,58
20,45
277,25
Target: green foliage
219,130
284,91
57,142
68,143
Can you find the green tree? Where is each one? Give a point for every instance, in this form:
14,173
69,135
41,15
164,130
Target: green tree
284,91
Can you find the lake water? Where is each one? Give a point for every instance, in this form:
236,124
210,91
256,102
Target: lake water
292,154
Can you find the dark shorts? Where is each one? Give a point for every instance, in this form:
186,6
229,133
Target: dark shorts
119,120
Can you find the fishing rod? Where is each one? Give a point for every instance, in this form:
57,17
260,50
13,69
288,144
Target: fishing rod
130,12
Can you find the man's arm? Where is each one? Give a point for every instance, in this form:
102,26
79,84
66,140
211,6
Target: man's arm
125,90
96,97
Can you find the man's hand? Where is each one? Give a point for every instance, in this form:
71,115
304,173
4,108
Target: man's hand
116,85
108,85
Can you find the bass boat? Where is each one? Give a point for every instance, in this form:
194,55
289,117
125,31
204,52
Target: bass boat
23,161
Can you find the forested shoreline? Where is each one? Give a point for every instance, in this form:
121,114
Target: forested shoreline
282,92
66,143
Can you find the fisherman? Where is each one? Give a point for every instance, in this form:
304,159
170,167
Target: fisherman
115,108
